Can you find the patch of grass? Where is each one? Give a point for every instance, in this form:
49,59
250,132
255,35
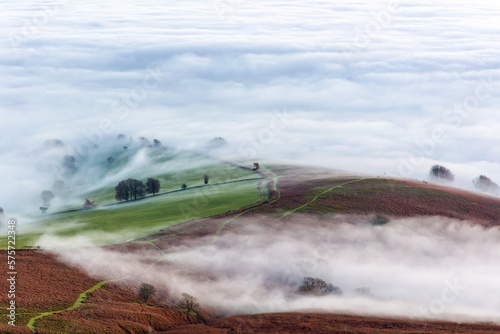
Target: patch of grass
169,181
140,218
190,312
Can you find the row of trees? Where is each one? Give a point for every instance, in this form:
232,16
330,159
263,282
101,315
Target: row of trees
133,189
482,182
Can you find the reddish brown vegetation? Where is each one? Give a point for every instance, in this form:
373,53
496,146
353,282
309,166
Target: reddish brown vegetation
44,283
113,309
399,198
278,323
89,204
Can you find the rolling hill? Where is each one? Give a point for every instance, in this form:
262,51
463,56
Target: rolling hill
78,282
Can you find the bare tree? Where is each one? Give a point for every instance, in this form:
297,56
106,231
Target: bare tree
484,183
441,172
188,302
318,287
88,204
363,291
217,141
145,291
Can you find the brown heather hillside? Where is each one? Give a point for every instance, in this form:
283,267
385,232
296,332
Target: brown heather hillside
324,323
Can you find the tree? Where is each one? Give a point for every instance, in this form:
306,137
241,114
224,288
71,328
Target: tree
206,178
47,196
363,291
484,183
318,287
184,186
58,186
256,166
217,141
122,191
144,141
153,186
137,188
129,189
109,161
379,220
156,143
69,161
441,172
88,204
188,302
145,291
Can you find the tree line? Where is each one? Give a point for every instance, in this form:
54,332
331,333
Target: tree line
482,182
133,189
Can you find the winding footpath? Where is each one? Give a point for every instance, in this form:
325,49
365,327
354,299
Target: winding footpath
315,198
78,303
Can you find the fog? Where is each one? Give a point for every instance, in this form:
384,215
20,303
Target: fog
373,86
429,268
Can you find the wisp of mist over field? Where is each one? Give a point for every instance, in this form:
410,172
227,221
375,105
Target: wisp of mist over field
417,267
373,86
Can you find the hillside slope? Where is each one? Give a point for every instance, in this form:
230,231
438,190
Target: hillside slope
293,192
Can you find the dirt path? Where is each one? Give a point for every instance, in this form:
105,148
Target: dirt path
275,183
289,212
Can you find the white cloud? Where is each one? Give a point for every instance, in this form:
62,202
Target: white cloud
223,67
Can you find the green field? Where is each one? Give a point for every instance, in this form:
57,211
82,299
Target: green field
229,188
192,177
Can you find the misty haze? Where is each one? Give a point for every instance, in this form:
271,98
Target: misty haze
249,167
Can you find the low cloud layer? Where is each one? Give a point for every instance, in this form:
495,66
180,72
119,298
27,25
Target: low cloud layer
430,268
371,86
